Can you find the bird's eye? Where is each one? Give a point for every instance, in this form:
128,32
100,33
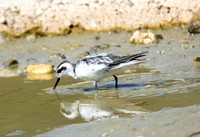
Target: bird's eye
61,69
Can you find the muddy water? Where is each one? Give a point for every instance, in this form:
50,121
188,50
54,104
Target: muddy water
29,107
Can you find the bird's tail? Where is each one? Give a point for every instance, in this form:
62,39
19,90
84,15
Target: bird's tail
136,56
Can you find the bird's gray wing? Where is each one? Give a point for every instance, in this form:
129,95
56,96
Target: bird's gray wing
102,58
125,59
110,59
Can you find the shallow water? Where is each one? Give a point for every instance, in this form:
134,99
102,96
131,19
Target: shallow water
26,105
30,107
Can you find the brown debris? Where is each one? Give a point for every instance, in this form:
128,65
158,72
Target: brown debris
197,59
10,62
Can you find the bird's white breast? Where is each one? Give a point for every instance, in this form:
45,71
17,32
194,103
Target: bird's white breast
90,71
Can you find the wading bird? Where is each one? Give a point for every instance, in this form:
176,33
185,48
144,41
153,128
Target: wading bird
97,66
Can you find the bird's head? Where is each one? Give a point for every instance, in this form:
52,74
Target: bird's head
64,69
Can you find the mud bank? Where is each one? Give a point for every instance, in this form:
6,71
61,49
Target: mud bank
179,122
45,17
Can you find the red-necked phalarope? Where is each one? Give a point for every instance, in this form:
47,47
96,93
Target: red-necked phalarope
97,66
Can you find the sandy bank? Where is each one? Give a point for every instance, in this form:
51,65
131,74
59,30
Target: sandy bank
62,16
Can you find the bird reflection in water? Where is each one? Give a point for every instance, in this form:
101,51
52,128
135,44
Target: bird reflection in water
95,109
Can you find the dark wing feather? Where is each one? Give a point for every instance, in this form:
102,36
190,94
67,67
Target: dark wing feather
125,59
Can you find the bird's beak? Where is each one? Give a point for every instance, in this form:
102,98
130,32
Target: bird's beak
56,83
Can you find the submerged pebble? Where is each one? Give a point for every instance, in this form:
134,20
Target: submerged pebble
39,69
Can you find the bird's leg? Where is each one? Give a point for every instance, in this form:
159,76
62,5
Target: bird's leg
116,81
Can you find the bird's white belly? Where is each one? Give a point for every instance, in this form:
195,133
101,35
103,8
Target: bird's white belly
90,72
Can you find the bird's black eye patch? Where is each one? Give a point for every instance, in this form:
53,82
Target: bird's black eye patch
61,69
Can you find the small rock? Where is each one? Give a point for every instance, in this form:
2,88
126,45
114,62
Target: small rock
30,37
62,56
197,59
194,28
158,36
161,52
39,69
10,62
142,38
194,25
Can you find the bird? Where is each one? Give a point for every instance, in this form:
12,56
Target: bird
97,66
